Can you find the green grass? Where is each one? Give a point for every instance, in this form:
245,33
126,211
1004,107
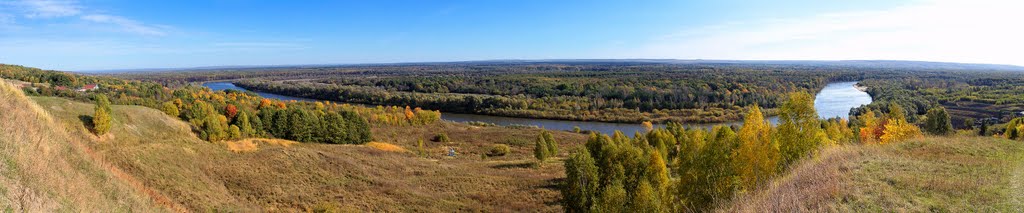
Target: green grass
933,174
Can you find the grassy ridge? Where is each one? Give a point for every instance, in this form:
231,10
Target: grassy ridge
162,153
945,174
44,169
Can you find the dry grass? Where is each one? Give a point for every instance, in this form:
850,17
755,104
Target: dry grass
252,144
473,141
241,146
45,170
944,174
386,147
163,154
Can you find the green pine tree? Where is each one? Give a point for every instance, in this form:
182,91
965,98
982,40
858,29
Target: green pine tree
540,149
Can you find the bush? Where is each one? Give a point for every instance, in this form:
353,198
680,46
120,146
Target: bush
441,137
499,150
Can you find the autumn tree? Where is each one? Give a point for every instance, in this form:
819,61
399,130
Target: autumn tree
757,156
214,128
838,130
230,111
234,132
101,119
581,182
704,167
657,175
1012,131
869,133
897,128
409,115
170,109
799,132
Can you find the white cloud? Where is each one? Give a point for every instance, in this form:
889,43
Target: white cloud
49,8
125,24
984,31
63,13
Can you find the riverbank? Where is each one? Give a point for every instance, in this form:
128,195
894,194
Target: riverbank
861,88
835,100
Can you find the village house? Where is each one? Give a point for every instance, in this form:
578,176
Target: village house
88,87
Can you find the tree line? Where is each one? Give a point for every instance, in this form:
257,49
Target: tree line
224,115
677,169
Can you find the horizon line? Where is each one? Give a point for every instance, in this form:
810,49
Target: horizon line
212,67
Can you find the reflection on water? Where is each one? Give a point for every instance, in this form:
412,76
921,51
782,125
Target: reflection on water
835,100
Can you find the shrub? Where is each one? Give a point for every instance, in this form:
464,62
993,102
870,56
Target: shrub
441,137
499,150
540,149
101,117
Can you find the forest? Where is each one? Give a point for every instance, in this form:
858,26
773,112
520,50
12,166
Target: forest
627,92
587,91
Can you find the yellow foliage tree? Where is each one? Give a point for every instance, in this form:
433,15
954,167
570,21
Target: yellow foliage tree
867,133
897,128
648,125
409,114
757,155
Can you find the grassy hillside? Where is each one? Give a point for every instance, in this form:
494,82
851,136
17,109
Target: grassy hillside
945,174
44,169
162,153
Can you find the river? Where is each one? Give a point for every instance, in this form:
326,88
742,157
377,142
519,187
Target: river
835,100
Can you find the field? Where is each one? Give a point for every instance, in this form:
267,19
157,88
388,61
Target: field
162,153
934,174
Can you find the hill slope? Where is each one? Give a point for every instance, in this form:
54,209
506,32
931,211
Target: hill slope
161,152
44,169
946,174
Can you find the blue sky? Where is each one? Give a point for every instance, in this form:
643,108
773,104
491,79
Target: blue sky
110,34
